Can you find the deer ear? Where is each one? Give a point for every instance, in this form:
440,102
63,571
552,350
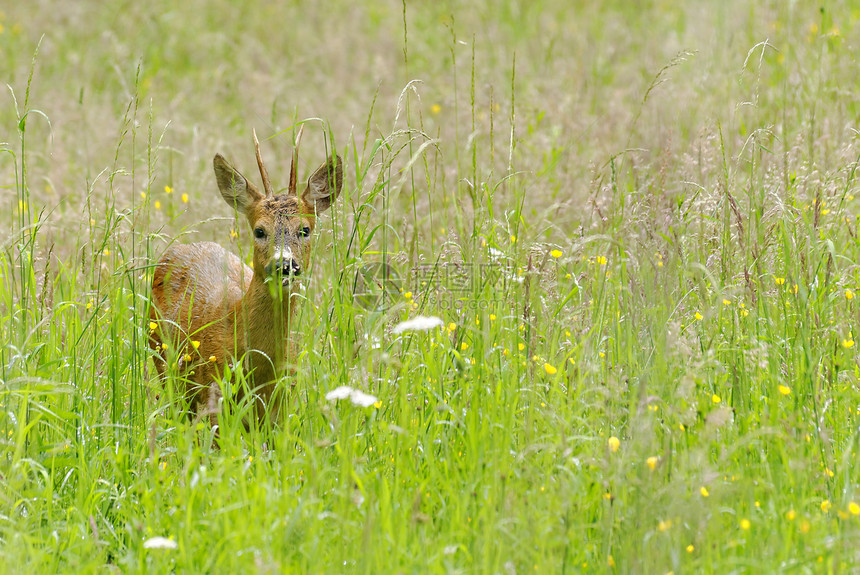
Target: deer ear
236,190
325,185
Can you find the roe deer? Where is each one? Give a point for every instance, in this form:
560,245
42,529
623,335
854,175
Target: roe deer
210,310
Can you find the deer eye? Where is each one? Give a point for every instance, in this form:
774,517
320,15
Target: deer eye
305,232
259,233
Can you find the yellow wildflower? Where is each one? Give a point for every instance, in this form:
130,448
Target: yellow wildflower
614,444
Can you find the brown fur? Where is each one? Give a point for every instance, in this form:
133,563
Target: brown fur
211,310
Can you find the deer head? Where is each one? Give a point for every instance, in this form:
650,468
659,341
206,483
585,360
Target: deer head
282,223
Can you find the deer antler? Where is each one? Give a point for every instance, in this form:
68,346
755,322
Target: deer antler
294,176
267,184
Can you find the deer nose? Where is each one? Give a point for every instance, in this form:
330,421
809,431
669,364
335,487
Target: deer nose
284,266
283,263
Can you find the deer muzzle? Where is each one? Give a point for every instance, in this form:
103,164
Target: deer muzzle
283,265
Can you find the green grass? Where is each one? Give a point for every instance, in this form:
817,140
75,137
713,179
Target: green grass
637,222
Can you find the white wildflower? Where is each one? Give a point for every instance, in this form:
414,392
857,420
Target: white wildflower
418,323
160,543
356,396
373,341
362,399
341,392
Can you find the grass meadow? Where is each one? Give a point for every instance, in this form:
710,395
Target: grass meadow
637,221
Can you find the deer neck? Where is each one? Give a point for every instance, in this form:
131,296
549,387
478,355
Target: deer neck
264,316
